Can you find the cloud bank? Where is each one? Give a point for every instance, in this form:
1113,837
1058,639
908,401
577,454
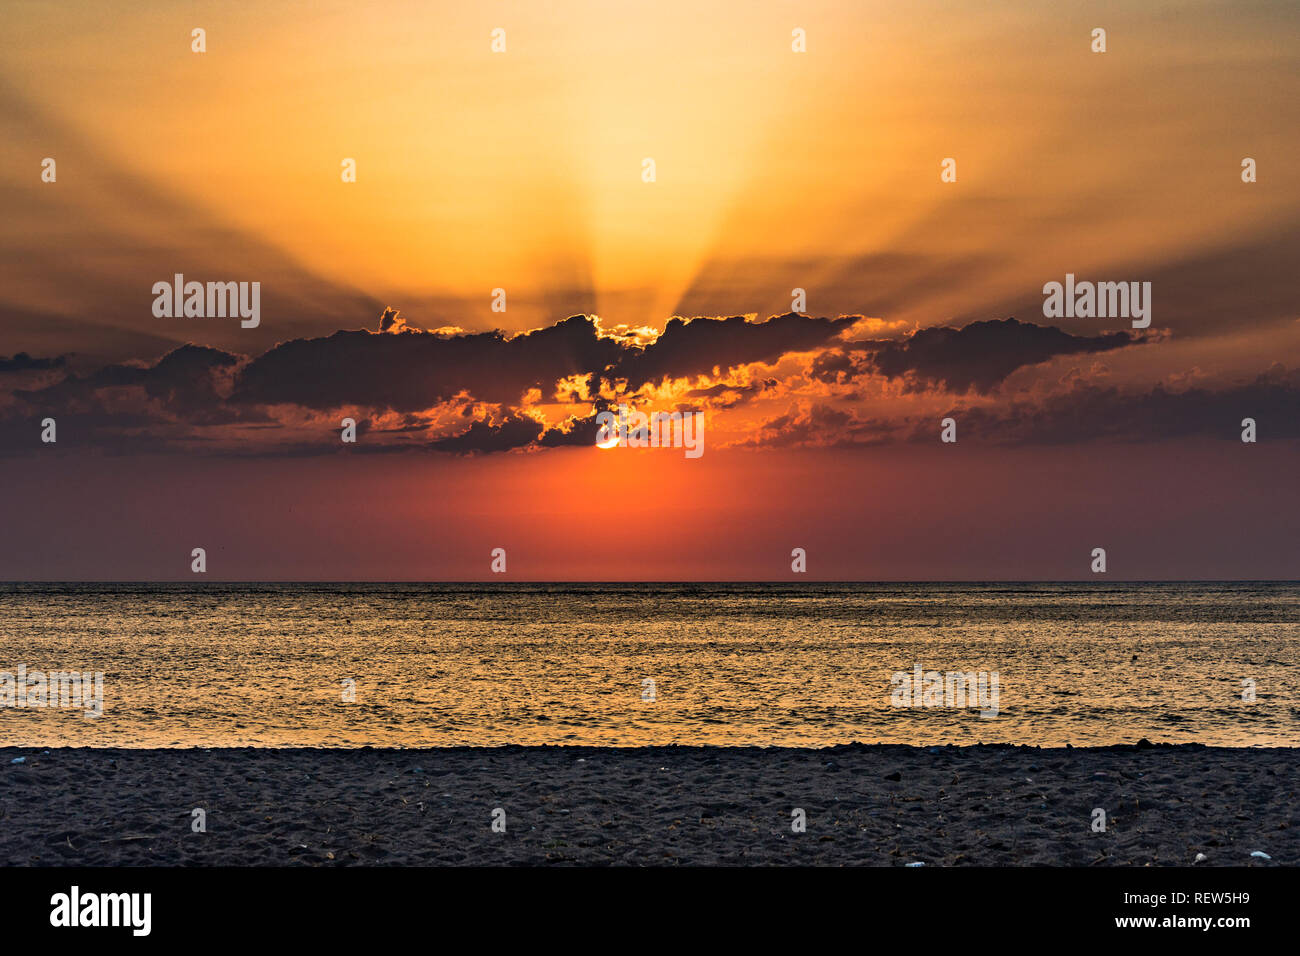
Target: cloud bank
788,380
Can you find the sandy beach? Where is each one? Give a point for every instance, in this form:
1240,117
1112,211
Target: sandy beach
654,806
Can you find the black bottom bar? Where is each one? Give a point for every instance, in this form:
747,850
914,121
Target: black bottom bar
660,906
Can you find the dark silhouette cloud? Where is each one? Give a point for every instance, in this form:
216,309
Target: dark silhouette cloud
978,356
484,380
411,371
697,346
22,362
576,431
839,366
726,395
482,436
184,381
1084,413
1090,412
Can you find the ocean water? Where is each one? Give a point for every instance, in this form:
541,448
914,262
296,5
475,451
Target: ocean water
752,664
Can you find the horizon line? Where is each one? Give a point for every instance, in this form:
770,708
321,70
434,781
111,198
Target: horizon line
677,583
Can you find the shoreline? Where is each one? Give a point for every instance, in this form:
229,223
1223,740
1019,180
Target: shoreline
876,805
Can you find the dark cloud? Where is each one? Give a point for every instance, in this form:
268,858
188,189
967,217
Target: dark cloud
1084,413
482,436
978,356
575,431
22,362
485,376
184,382
1090,412
838,366
725,395
697,346
411,371
122,409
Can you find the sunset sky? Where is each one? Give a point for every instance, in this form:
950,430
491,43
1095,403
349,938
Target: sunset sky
775,170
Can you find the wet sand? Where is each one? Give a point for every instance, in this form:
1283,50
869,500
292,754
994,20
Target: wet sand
654,806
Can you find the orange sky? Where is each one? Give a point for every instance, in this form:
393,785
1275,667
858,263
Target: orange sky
775,170
522,170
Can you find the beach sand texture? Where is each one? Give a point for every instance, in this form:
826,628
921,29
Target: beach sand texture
654,806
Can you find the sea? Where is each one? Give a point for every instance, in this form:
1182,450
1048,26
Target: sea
763,665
